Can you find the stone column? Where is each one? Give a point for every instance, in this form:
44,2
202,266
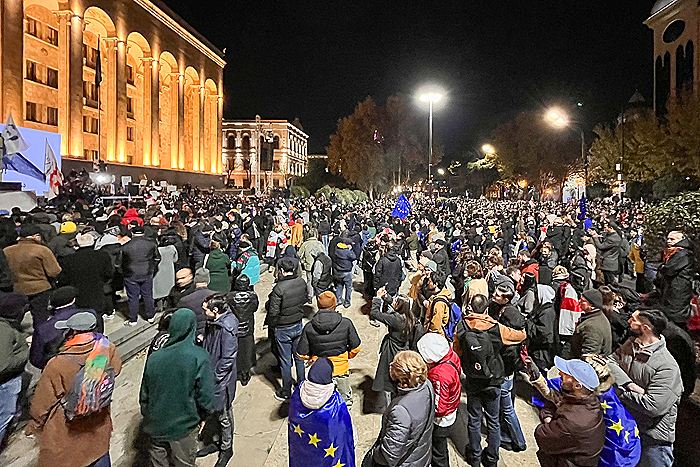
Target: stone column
120,100
64,46
12,57
180,148
75,86
146,155
154,76
202,138
219,130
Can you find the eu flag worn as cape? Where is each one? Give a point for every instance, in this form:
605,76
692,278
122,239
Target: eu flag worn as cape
622,447
322,437
402,208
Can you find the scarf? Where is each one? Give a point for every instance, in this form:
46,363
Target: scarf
668,252
314,395
96,365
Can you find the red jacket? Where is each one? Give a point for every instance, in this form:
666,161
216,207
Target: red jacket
130,216
444,376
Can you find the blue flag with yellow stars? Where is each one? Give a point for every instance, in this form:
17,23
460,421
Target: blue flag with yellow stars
322,437
622,447
402,208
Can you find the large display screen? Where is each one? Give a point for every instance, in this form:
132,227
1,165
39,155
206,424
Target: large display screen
26,170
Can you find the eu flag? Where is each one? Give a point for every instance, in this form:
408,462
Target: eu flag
402,208
622,447
321,437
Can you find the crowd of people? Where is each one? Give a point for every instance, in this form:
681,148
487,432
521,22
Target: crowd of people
474,294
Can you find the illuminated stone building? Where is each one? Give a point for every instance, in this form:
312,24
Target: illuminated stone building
676,26
280,145
161,92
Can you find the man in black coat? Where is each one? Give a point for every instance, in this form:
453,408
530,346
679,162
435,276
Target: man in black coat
284,314
331,335
88,270
140,258
609,251
388,272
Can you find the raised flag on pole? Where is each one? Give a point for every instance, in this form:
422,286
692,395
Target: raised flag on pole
402,208
12,138
98,66
12,146
52,172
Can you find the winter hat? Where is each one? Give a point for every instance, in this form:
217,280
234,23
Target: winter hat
560,273
321,372
85,240
594,297
63,296
68,228
29,230
201,276
241,284
327,301
13,307
433,347
286,264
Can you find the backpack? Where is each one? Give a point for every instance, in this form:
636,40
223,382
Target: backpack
453,320
479,359
71,401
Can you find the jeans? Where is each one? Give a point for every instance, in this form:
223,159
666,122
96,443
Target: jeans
38,305
346,282
178,453
655,453
287,338
309,287
226,423
103,461
441,455
9,392
140,286
484,403
510,425
326,241
342,383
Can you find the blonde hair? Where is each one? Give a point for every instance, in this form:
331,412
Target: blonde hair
408,369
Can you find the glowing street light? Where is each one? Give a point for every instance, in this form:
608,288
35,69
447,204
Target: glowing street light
488,149
441,171
557,118
431,95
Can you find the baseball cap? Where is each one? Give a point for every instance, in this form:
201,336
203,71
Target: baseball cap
84,321
581,371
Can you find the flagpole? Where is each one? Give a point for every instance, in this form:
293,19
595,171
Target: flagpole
98,81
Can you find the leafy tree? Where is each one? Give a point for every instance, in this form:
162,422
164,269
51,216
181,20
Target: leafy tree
528,149
681,212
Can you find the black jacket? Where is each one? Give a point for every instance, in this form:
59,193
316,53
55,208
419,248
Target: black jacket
194,302
244,305
88,270
221,342
140,257
328,334
674,280
509,316
388,272
286,301
322,277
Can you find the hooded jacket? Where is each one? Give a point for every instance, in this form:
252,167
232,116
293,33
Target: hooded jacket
177,388
540,328
331,335
308,252
388,272
593,335
221,341
444,374
342,257
131,215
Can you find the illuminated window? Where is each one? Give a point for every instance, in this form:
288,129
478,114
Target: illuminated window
52,116
33,27
52,35
32,113
32,74
52,77
130,133
90,124
90,94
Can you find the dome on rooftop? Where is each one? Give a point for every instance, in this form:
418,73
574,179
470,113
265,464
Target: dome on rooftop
660,5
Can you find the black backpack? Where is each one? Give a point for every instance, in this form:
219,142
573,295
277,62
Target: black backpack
479,359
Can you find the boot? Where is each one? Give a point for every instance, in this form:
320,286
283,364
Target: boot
224,457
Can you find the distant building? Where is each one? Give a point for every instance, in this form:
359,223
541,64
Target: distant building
676,26
280,145
160,101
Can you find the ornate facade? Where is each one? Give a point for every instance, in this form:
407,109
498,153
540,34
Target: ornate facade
676,26
277,147
160,100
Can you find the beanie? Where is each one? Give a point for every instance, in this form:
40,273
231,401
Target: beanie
201,276
327,301
594,297
321,372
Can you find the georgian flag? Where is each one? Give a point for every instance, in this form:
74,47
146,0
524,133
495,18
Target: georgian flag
52,172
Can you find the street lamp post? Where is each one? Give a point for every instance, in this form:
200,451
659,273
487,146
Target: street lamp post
559,119
431,95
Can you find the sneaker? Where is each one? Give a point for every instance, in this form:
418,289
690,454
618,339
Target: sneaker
346,305
282,395
152,320
374,322
130,323
108,316
207,450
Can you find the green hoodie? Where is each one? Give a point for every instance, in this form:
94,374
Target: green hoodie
178,383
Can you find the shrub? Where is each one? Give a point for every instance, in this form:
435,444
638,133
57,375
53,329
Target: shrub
300,191
681,212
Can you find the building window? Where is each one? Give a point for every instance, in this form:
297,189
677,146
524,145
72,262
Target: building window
33,27
90,124
32,74
90,56
32,112
52,78
90,94
52,116
90,154
129,159
130,74
130,133
52,36
130,106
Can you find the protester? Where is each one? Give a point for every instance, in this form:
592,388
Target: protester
244,303
593,335
140,258
309,251
195,300
219,266
70,416
14,354
343,258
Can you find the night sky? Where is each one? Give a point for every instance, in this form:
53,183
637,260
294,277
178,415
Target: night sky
316,59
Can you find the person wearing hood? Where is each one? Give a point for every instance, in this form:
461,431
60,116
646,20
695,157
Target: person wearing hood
308,252
388,272
13,356
244,303
88,270
177,393
219,266
572,433
540,328
221,341
33,267
47,340
83,440
593,334
319,424
331,335
674,279
132,215
444,374
343,259
248,262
